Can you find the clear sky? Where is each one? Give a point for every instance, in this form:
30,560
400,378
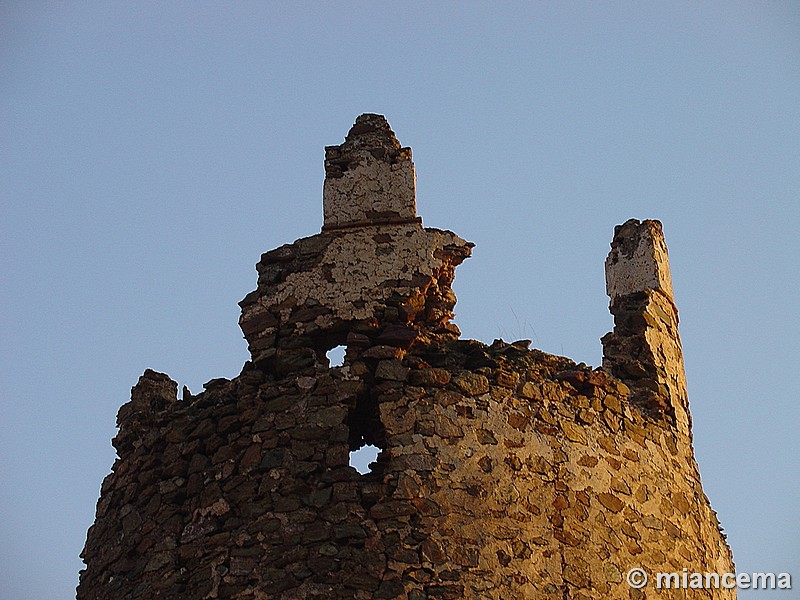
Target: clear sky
150,151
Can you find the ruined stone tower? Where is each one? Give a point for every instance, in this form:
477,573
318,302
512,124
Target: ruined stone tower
504,472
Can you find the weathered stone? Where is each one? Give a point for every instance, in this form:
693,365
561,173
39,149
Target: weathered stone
573,432
576,576
319,498
506,379
485,436
447,398
528,390
471,384
610,501
272,459
392,370
393,509
396,335
518,421
382,352
369,178
348,531
431,551
430,377
446,428
502,472
612,573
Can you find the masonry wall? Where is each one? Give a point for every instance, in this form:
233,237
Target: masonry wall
504,472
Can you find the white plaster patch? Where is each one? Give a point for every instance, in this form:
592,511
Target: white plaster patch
646,269
350,276
373,186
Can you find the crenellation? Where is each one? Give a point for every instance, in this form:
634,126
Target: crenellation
503,471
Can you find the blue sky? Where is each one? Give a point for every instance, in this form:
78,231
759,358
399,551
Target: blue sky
149,152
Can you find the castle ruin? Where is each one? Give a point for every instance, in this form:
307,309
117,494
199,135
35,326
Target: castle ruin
503,472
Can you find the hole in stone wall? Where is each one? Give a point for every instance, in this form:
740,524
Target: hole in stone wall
362,458
335,356
367,437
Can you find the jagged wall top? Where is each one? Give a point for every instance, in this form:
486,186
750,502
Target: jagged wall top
373,267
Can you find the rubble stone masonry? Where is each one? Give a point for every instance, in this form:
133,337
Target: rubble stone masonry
504,472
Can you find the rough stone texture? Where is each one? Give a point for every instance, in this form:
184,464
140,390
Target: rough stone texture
638,260
369,178
645,348
314,293
504,472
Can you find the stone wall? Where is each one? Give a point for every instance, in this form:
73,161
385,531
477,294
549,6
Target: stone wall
504,472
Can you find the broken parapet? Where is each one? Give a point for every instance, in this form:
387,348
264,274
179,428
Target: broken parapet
644,350
502,472
373,266
369,178
312,296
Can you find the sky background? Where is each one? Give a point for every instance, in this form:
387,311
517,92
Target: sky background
150,152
